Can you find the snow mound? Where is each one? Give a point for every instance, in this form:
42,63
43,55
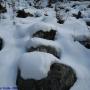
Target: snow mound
35,65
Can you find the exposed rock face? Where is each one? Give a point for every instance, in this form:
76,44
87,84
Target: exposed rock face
1,44
47,49
23,14
50,35
2,9
60,77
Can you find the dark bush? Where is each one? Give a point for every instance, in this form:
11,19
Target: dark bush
60,77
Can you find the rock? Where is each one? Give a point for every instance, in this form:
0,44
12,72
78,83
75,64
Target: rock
77,16
88,6
23,14
60,77
86,43
88,23
47,49
1,43
75,4
60,21
67,10
50,35
60,18
2,9
84,40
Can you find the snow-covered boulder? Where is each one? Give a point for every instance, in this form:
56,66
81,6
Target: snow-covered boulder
46,49
60,77
35,65
50,35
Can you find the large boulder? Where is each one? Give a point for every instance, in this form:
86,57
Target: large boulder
60,77
43,48
50,35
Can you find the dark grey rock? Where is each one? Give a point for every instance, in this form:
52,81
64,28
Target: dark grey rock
23,14
50,35
1,43
2,9
88,23
86,43
43,48
60,77
77,16
88,6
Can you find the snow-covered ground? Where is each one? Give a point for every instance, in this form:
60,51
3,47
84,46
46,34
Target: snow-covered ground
19,36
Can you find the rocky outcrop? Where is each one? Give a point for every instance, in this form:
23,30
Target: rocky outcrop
46,49
60,77
49,35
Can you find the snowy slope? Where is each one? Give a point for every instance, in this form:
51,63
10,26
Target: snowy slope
17,37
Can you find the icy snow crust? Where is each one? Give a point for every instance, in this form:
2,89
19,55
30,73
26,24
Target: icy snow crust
37,64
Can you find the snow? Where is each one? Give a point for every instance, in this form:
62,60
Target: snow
36,65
